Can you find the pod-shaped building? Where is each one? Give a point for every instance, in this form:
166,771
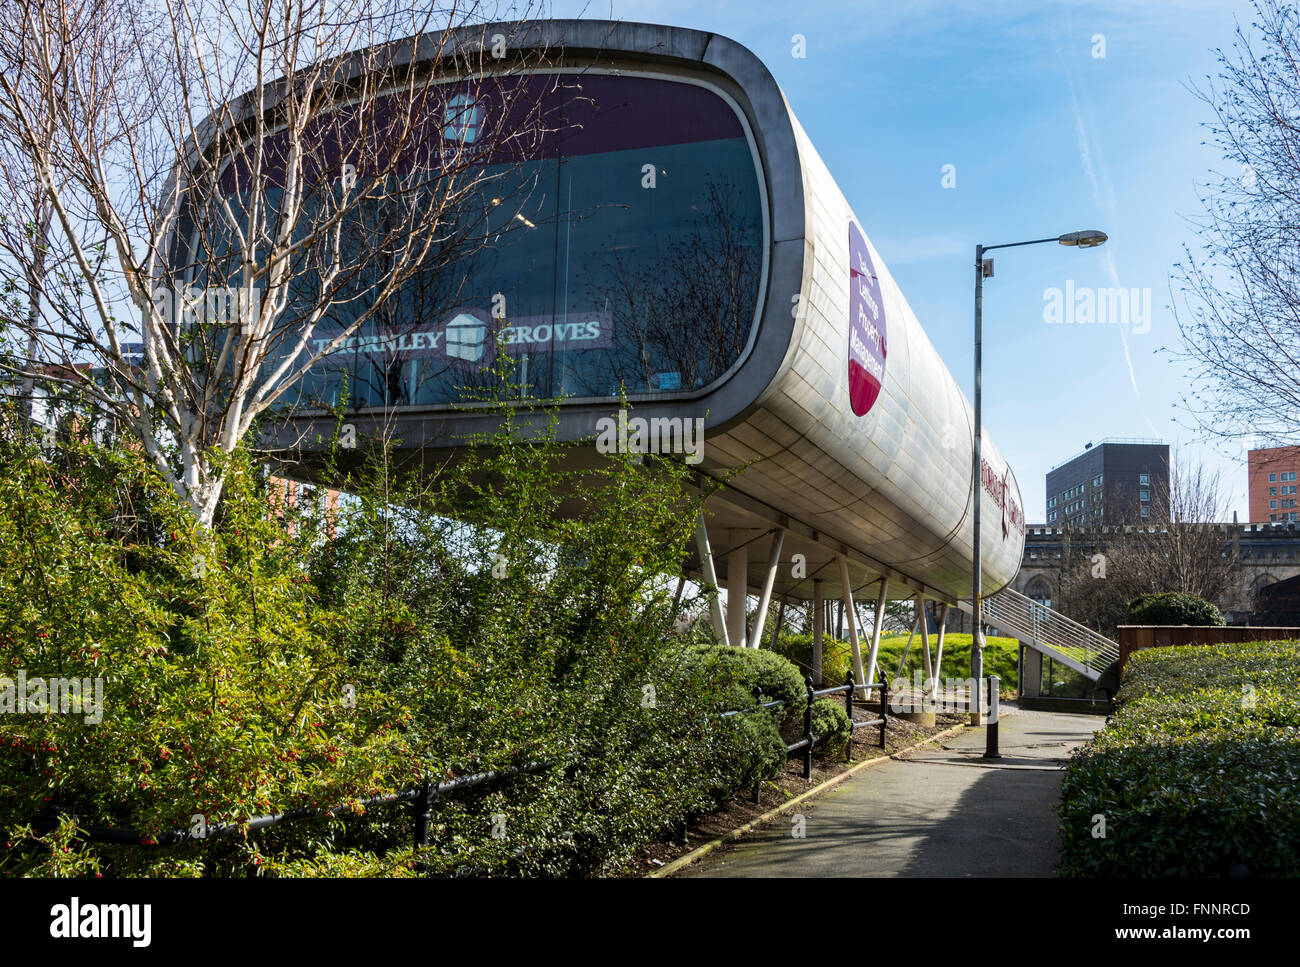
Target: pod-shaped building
681,242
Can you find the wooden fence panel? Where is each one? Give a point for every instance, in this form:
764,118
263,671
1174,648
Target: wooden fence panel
1136,637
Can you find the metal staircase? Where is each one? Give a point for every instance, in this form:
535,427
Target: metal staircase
1074,645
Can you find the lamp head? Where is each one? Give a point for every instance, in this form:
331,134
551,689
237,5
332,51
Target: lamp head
1088,238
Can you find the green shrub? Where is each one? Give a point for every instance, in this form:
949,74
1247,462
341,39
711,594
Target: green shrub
830,723
837,657
731,675
761,749
736,672
1173,608
253,667
1198,773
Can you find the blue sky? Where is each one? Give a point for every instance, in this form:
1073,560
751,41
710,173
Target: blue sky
1045,138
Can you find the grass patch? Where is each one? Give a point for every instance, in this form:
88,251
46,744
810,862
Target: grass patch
1000,657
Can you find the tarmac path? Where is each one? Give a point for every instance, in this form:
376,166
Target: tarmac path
942,810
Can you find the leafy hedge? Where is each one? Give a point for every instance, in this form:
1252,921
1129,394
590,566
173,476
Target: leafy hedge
830,723
733,674
736,672
761,750
1173,608
283,660
1198,774
837,657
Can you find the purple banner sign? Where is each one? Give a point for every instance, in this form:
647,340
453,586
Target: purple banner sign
866,326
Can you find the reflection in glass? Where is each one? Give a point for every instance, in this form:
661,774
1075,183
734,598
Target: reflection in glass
627,255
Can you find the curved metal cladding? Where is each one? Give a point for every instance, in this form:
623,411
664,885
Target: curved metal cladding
863,428
851,431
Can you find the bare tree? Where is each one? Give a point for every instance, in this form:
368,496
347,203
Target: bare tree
233,191
1191,552
37,270
1240,293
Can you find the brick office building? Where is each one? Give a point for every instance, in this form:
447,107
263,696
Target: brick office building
1271,482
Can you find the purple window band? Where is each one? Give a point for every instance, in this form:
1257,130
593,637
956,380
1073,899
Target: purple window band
502,121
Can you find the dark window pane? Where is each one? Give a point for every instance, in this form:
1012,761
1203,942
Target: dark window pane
626,252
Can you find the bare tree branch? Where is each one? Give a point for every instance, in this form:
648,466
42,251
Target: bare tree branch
197,186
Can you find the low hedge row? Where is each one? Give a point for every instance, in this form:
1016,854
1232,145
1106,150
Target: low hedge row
1198,774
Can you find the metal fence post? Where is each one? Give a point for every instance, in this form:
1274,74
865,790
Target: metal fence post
991,732
884,707
758,702
807,729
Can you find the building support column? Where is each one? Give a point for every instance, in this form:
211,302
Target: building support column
737,589
819,626
907,649
765,599
855,645
925,644
676,613
877,626
1031,672
938,652
710,577
780,620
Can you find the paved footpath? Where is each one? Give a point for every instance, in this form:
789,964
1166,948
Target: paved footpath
940,811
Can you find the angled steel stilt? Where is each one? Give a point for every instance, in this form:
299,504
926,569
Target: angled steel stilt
847,599
765,599
710,577
877,627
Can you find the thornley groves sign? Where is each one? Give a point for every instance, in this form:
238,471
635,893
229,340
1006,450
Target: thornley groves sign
469,334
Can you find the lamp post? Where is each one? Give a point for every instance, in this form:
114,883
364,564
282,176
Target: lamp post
984,269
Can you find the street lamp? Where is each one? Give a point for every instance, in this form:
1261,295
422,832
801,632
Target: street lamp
1088,238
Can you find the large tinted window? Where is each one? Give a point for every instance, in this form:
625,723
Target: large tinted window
624,252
